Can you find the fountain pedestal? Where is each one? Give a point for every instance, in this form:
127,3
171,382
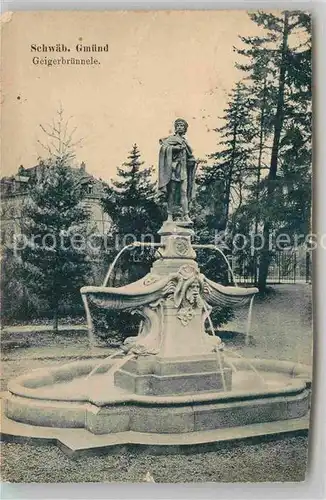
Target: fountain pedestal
183,362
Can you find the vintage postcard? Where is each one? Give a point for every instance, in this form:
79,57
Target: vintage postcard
156,246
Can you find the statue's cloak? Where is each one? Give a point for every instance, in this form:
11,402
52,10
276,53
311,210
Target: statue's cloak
168,156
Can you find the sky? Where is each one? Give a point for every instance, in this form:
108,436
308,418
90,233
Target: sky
159,66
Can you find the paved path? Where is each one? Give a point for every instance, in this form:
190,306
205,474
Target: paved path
42,328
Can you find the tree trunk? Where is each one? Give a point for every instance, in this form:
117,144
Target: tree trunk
265,256
260,156
265,259
229,180
55,318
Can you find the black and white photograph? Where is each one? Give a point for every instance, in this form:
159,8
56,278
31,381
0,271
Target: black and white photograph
157,246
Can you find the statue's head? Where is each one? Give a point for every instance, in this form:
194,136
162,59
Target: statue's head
180,126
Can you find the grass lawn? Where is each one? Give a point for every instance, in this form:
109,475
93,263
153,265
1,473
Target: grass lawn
281,328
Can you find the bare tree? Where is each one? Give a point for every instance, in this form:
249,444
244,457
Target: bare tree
61,143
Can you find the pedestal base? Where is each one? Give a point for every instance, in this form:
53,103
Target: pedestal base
149,375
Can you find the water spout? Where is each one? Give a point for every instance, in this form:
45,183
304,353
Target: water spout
112,266
218,354
101,363
249,321
236,354
217,249
91,336
228,264
232,365
219,360
251,366
119,363
208,317
134,244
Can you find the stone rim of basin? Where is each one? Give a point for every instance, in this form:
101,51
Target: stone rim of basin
299,378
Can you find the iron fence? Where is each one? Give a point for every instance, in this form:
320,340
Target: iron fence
286,266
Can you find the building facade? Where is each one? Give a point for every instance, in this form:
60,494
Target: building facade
15,193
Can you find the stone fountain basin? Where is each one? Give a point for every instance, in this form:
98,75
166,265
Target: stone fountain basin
63,397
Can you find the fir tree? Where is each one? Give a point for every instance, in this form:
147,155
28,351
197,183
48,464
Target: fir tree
56,223
296,143
132,203
287,69
224,182
260,75
56,231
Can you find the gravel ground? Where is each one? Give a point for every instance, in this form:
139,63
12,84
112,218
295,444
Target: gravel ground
281,328
276,461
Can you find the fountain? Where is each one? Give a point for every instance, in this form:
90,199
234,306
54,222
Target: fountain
171,384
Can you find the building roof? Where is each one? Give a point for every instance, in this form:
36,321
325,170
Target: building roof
17,184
